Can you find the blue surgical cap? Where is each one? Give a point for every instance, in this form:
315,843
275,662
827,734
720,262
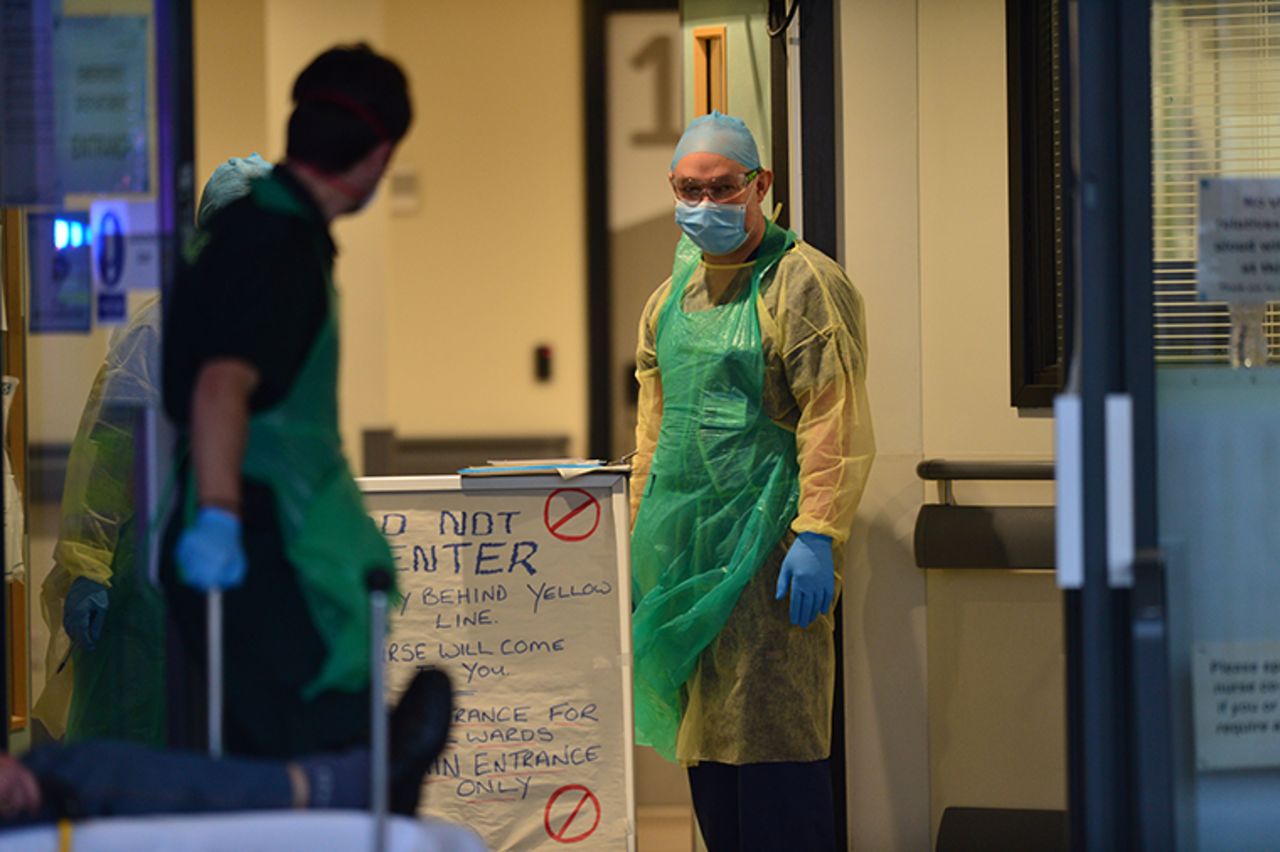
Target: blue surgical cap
230,181
716,133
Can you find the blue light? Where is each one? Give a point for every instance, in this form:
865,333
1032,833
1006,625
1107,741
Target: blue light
77,235
61,233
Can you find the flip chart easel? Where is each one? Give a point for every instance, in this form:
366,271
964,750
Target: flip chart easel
519,587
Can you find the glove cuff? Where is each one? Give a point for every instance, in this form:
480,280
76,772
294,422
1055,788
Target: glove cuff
216,516
231,507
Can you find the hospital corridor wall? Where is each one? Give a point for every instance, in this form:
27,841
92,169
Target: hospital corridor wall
443,300
955,678
470,256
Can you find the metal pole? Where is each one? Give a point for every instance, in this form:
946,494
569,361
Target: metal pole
214,618
378,582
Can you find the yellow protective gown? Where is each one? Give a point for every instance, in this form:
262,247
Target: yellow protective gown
763,689
98,527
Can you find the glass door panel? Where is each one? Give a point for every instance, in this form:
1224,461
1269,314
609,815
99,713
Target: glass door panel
1216,113
89,191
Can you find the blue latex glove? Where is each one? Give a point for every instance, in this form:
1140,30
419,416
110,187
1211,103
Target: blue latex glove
210,555
84,612
809,572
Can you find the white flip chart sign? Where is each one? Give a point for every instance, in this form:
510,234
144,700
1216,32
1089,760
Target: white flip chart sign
518,587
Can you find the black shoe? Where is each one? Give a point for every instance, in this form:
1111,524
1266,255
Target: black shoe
419,732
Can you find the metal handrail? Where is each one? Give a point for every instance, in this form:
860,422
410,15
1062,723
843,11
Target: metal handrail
936,470
946,472
952,536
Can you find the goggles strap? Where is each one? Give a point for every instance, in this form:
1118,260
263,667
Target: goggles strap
352,106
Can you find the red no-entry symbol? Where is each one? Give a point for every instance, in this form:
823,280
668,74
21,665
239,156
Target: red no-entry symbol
578,803
575,517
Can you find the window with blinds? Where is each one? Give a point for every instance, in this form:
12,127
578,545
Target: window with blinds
1215,112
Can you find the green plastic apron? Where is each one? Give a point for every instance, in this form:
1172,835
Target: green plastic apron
296,449
119,686
721,492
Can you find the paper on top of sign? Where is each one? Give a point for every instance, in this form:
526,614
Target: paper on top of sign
544,462
565,468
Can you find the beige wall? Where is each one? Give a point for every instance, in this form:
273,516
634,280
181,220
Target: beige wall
964,244
996,686
494,263
926,235
247,53
230,56
297,30
886,716
997,721
441,308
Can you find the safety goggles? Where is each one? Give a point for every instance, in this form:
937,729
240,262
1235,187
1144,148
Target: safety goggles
719,190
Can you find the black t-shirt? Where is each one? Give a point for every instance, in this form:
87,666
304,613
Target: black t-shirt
253,288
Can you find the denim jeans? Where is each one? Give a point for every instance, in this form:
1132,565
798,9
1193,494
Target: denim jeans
104,778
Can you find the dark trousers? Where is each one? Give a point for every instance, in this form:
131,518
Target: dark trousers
765,806
272,650
103,778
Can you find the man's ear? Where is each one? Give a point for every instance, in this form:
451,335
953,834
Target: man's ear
764,181
384,150
378,158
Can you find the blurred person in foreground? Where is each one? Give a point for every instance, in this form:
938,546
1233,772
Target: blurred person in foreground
268,509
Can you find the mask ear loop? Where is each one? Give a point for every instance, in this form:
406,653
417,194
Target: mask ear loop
348,190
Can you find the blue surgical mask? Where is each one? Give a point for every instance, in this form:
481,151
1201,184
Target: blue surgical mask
717,229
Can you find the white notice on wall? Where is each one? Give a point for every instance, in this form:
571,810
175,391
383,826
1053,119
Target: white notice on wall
126,245
1237,705
100,83
1239,240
